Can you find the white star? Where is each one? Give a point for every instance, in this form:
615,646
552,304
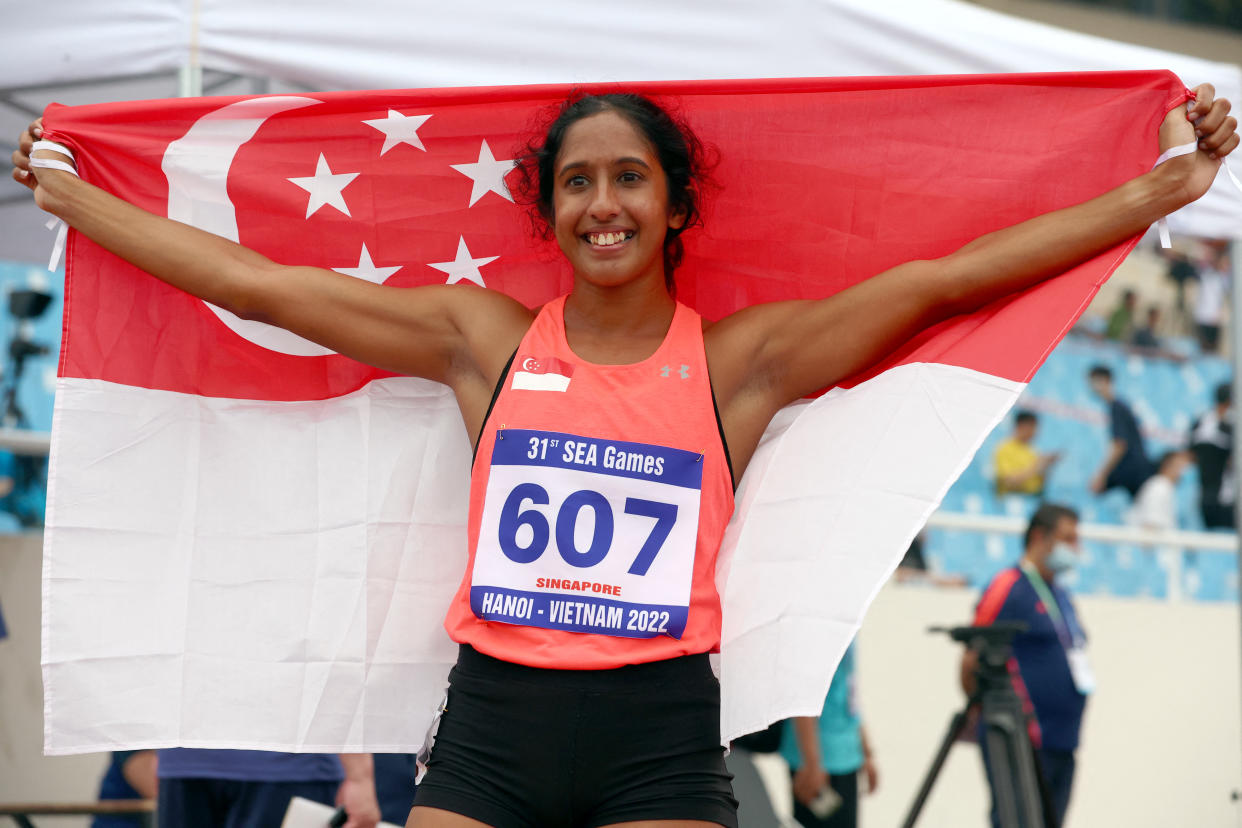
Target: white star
464,267
487,175
367,270
325,187
399,129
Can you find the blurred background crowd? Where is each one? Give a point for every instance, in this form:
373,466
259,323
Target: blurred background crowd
1130,421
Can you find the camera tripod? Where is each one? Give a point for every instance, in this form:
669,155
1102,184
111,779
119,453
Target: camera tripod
1018,790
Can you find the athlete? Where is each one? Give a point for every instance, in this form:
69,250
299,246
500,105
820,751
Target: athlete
559,712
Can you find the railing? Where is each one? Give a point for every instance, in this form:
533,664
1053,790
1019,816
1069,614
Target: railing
25,441
1106,533
1172,548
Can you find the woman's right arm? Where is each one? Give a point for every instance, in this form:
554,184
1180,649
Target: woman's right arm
435,331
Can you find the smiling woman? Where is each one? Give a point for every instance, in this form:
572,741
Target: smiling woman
601,709
681,160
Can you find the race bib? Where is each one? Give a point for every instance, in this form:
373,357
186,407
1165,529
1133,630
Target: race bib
1080,670
587,535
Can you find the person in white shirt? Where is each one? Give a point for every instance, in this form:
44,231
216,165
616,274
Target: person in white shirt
1209,307
1155,505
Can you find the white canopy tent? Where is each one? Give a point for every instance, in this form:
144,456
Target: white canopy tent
324,44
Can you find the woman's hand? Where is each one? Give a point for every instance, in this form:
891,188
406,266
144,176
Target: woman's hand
21,155
786,350
1205,120
33,177
458,336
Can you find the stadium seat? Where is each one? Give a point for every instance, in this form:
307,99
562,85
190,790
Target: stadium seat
1167,396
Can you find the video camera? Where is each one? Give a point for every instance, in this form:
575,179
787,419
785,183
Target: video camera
991,642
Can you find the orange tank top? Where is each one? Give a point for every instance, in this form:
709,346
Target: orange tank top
598,500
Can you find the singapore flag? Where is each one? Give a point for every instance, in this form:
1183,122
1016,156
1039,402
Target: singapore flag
546,374
252,541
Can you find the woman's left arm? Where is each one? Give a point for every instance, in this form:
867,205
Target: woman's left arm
796,348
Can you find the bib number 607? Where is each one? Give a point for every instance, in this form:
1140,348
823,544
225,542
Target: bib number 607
513,516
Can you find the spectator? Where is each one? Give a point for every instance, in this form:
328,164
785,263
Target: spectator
1146,337
1181,270
1126,465
394,785
253,788
130,775
827,753
1121,320
1020,469
1049,659
1155,506
1211,443
1209,309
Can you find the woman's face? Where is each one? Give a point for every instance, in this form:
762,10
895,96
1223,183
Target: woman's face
610,202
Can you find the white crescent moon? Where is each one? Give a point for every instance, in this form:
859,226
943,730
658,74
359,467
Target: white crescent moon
529,364
197,168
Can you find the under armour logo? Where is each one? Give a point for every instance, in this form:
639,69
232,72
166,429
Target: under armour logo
683,372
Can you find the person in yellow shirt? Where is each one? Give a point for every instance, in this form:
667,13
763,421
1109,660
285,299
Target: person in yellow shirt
1020,469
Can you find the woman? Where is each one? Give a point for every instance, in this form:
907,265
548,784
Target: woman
569,711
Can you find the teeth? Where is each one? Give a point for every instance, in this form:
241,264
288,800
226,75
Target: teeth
605,239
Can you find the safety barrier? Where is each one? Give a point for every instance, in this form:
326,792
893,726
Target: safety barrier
1125,561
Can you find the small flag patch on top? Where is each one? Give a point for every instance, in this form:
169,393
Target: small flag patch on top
542,374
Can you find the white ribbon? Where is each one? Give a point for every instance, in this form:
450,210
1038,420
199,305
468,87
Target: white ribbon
58,246
1162,226
1236,181
1174,152
62,229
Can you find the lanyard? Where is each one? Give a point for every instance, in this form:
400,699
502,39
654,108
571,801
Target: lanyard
1050,604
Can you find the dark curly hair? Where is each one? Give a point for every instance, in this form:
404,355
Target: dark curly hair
683,157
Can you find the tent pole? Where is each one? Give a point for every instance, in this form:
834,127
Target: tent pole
1235,336
190,75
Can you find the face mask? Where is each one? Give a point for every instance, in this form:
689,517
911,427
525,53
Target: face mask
1063,557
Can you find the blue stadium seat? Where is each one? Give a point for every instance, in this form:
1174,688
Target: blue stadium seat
1168,396
1213,576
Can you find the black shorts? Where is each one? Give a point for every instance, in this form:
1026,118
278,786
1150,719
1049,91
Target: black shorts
523,746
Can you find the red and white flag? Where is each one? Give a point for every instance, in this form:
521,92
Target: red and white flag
541,373
251,542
